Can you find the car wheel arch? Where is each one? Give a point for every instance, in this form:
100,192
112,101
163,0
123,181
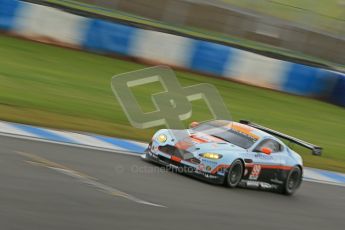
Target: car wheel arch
300,167
289,191
229,170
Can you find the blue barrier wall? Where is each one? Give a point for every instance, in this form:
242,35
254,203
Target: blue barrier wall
8,10
209,57
107,37
338,93
206,57
308,81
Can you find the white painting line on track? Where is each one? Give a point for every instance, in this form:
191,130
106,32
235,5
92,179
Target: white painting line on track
10,129
37,139
309,173
84,178
86,140
323,182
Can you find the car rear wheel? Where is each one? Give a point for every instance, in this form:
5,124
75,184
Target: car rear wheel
293,181
234,174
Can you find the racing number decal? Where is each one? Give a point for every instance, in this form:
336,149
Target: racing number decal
254,175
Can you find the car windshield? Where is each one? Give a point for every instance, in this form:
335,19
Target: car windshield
222,130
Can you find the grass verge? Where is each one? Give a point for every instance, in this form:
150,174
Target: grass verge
61,88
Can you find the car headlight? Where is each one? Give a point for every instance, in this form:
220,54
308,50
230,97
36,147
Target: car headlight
214,156
162,138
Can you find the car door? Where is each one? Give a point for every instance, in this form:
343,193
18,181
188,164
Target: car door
265,167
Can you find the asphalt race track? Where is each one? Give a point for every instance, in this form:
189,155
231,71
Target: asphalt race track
50,186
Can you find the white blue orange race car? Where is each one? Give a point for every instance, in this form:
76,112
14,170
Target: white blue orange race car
231,153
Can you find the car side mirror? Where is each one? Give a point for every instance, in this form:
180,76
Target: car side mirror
265,150
193,124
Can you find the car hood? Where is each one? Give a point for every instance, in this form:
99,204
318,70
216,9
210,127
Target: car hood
201,142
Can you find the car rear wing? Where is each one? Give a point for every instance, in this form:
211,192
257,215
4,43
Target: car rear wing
316,150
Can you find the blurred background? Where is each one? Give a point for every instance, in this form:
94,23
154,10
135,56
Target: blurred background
279,63
314,28
307,27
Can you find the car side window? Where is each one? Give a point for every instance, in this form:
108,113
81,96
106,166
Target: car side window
271,144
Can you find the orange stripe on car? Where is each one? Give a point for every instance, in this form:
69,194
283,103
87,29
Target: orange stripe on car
219,167
244,129
198,139
282,167
204,138
175,158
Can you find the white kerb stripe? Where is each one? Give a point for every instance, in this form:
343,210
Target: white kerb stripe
86,140
311,174
141,144
11,129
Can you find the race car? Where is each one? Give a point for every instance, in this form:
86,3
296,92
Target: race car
232,153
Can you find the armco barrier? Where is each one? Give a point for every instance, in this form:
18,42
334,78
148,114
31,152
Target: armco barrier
41,22
8,8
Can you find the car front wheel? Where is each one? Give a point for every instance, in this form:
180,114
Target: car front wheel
235,173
